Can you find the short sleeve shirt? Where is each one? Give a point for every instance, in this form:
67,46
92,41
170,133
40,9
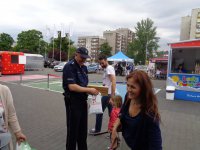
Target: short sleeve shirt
109,70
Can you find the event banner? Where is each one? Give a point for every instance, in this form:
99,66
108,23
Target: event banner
186,82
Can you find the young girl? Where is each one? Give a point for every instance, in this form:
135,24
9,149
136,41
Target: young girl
117,103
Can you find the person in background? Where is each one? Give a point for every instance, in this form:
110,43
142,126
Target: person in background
109,80
1,66
117,103
131,68
139,116
8,120
75,81
158,73
127,69
180,69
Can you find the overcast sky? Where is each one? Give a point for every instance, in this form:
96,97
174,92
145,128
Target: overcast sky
92,17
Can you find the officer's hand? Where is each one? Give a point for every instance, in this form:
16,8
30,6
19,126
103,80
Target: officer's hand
93,91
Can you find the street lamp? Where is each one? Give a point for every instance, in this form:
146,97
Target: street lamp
39,47
146,56
68,52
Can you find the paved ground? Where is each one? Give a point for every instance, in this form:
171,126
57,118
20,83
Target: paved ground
42,116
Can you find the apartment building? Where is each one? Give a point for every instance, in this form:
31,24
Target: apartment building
119,39
190,26
92,43
128,36
115,40
185,28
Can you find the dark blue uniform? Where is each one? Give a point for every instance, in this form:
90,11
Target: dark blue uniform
76,105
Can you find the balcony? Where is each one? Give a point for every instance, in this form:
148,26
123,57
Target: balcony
197,30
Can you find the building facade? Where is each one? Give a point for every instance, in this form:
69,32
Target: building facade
114,39
190,26
92,43
128,37
118,39
185,28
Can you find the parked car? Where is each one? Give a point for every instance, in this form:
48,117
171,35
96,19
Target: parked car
46,63
54,63
141,67
60,66
93,68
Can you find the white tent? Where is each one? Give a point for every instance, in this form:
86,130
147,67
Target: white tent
120,57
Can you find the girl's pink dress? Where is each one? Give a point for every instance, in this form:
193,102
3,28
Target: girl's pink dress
113,117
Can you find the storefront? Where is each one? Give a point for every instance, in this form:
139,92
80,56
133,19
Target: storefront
158,63
184,69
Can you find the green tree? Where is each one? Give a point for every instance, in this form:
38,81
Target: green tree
72,52
161,53
105,49
145,42
65,44
30,41
6,41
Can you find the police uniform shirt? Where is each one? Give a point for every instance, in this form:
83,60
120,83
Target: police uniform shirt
73,73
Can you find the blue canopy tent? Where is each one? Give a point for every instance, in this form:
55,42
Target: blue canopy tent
120,57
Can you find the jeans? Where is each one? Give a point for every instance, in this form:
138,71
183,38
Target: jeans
99,117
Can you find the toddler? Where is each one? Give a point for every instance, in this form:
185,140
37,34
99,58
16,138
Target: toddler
117,103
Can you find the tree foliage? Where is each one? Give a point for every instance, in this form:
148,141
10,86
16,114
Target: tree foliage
55,54
105,49
145,41
6,41
61,42
161,53
31,41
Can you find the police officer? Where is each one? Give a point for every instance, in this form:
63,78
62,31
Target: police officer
75,81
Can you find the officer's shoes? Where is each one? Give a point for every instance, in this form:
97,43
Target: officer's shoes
93,131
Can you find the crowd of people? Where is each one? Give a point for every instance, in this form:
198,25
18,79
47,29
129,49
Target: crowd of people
137,117
123,68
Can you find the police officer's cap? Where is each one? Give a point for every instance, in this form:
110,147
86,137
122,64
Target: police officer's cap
83,51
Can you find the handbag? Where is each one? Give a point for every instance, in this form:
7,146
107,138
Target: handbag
95,105
24,146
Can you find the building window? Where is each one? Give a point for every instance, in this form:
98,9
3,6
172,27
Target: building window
197,30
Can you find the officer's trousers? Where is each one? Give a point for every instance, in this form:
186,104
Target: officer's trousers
77,122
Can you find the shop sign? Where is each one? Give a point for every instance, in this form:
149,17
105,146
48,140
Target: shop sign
185,82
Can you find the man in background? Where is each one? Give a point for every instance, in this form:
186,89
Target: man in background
109,80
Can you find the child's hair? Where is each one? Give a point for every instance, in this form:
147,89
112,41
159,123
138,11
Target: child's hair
117,101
